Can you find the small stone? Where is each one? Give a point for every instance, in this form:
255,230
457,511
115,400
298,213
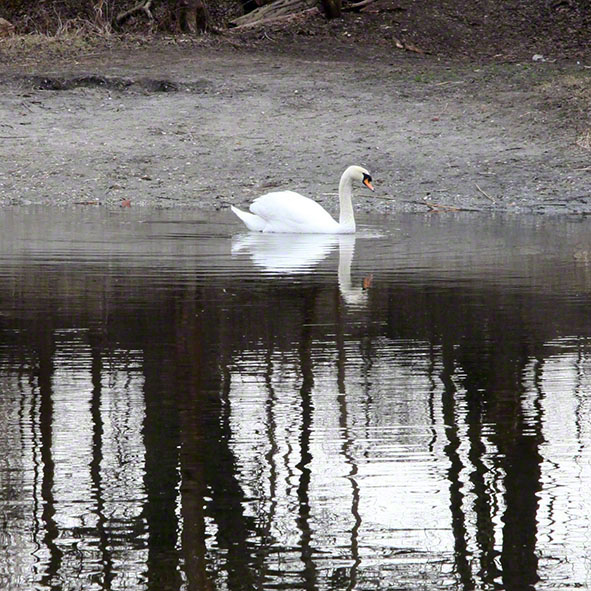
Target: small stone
6,28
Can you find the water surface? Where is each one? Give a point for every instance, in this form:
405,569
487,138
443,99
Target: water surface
187,406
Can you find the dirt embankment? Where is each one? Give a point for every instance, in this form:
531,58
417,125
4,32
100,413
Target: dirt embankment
175,126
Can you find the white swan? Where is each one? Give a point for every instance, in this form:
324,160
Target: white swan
287,211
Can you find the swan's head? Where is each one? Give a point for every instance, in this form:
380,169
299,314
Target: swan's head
358,173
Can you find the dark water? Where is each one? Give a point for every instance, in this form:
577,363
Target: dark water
185,406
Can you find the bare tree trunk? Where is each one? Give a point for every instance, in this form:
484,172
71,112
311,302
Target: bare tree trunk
331,8
193,16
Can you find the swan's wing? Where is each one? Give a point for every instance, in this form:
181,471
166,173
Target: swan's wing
252,222
287,211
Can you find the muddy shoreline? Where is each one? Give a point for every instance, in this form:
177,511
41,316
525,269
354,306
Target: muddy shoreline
206,127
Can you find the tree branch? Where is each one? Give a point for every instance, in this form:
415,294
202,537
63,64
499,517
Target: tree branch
142,6
358,5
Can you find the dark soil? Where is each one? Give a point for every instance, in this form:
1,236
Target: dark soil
478,29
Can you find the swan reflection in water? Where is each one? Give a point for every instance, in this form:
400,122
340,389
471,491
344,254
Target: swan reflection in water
296,254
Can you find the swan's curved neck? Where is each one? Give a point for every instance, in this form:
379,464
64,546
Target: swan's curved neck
346,217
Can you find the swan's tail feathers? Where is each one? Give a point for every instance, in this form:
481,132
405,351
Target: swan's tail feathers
251,221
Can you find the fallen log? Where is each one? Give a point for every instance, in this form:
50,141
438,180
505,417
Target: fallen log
279,8
277,19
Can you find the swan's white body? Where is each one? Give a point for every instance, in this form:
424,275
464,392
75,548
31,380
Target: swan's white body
287,211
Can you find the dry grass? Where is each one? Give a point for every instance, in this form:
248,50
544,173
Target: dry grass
569,95
96,17
36,49
577,92
579,84
67,41
52,33
574,85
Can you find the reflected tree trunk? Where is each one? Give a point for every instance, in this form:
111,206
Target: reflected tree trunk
519,558
161,438
207,463
347,445
456,467
97,458
483,501
190,367
303,491
45,375
494,392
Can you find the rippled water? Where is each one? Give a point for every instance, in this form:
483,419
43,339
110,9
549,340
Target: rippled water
187,406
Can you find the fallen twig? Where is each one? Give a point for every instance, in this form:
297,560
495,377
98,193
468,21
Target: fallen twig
485,194
408,46
412,47
439,207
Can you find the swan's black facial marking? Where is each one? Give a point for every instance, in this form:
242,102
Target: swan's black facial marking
367,181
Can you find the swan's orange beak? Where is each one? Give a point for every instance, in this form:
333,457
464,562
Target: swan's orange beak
368,184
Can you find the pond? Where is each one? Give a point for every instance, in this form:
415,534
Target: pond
187,406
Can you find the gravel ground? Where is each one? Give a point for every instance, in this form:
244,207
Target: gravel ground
205,127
